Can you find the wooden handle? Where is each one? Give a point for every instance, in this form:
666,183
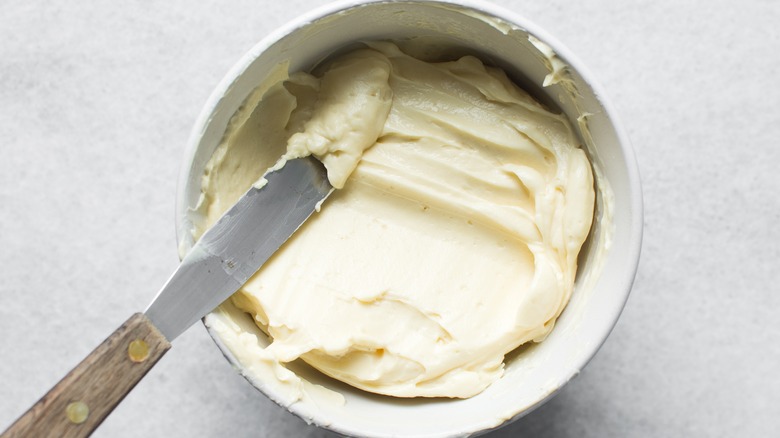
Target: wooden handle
84,398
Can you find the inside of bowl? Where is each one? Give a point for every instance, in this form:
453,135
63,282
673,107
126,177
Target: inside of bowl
535,372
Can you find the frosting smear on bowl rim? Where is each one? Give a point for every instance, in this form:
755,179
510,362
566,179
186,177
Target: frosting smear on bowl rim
452,238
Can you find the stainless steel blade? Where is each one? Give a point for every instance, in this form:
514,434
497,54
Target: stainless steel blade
239,243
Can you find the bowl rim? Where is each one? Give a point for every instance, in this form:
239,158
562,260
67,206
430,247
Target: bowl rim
635,234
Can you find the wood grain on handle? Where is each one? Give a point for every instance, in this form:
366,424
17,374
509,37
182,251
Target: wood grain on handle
98,383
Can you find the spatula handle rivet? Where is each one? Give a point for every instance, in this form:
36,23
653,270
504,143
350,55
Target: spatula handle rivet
77,412
138,350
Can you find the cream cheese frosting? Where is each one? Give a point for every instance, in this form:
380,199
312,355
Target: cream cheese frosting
452,239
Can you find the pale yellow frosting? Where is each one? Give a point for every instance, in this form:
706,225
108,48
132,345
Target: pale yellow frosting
453,236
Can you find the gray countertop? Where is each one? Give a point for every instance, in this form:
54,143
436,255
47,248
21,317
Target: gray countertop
96,103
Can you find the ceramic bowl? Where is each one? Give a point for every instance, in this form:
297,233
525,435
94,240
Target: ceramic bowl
549,71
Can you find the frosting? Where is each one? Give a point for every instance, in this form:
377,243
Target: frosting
452,239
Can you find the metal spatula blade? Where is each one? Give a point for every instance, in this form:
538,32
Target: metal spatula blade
236,246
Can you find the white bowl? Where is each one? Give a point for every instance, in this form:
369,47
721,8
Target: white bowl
608,261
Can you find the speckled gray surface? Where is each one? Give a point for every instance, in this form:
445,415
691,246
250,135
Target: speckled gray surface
96,103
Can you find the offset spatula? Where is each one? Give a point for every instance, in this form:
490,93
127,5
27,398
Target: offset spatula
223,259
